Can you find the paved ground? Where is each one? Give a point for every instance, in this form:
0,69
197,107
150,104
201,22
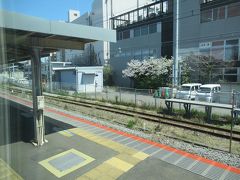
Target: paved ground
81,149
149,100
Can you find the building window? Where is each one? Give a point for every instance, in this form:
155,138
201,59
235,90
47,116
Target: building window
126,34
205,52
231,50
206,16
218,13
137,54
137,32
206,1
165,6
152,28
234,9
144,30
221,12
218,50
145,53
230,74
119,36
128,53
153,53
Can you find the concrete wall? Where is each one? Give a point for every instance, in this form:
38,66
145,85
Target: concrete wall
83,19
192,32
101,12
68,80
73,14
129,47
89,78
80,79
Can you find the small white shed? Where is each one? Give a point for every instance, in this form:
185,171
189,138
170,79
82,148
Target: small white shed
81,79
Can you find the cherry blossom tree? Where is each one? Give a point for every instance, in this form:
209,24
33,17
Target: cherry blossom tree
149,73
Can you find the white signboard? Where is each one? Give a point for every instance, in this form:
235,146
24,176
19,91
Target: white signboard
40,102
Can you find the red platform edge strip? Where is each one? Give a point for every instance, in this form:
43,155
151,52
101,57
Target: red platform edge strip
165,147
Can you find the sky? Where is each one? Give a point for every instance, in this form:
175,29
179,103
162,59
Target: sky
47,9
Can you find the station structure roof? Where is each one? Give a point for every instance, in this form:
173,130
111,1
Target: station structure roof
19,34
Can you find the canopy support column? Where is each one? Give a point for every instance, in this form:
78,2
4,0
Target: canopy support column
38,100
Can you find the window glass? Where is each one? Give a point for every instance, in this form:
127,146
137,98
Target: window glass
232,42
145,13
234,10
144,30
215,14
231,53
218,53
135,17
152,28
231,50
126,34
119,36
205,52
218,43
231,71
165,6
230,78
145,53
218,13
137,53
221,12
206,16
128,53
153,52
137,32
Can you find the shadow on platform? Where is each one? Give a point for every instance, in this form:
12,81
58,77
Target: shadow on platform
18,125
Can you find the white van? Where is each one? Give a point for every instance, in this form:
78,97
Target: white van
188,91
207,91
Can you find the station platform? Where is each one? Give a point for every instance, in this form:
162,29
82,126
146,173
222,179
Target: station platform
79,148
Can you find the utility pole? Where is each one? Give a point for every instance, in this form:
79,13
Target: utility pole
176,53
50,72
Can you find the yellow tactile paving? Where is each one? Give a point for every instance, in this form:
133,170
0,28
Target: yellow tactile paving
6,172
116,166
141,155
119,164
45,163
65,133
104,141
128,158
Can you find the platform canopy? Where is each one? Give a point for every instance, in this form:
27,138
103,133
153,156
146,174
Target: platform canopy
20,33
23,37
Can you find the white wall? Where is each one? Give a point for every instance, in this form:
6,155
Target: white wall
83,19
88,77
73,14
101,12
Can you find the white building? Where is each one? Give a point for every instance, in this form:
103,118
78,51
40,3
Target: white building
98,53
80,79
73,14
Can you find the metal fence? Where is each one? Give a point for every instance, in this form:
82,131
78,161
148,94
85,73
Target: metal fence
137,97
237,99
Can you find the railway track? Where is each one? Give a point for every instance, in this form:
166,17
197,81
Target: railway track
188,125
203,128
